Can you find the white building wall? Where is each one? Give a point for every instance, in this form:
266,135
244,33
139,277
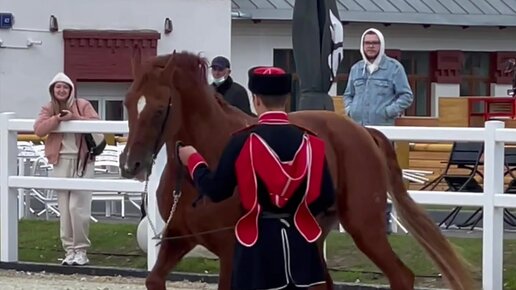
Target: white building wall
440,91
199,26
500,90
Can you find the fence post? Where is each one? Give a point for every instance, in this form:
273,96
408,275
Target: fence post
152,207
8,196
492,246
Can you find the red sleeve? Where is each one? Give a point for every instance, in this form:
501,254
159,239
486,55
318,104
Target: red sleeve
194,161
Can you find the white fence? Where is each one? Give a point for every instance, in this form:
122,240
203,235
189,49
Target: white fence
492,199
10,182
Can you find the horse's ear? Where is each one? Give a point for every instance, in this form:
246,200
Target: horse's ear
136,61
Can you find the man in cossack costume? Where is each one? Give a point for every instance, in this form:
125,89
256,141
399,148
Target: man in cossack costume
283,182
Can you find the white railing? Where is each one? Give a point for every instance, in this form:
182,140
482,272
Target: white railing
493,200
10,182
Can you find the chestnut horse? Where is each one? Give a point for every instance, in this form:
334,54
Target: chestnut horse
170,99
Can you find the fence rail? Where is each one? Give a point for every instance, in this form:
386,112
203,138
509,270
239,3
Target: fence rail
493,200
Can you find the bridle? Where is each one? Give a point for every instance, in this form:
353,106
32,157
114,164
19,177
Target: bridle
179,176
177,192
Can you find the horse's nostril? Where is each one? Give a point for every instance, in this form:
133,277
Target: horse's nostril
137,165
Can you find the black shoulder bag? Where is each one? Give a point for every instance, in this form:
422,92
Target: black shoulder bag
94,142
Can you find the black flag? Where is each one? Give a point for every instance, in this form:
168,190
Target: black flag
317,37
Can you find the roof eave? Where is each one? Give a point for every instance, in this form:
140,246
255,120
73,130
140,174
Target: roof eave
400,18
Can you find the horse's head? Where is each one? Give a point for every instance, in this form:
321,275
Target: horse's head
154,106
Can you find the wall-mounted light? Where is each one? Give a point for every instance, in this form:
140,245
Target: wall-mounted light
31,42
53,26
168,26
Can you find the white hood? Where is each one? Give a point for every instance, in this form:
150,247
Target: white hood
61,77
372,67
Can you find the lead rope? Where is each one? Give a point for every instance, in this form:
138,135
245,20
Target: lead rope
159,236
176,195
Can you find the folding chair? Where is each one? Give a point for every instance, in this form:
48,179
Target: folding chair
510,165
107,165
464,155
47,197
509,218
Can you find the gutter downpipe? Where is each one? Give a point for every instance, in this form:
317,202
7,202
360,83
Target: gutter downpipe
240,15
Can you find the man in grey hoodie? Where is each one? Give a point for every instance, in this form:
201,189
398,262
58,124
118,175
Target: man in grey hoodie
378,90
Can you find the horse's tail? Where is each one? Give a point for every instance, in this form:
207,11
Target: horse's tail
452,266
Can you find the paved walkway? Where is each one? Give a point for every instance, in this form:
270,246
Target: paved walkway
16,280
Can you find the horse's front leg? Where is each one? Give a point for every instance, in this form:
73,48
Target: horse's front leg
169,255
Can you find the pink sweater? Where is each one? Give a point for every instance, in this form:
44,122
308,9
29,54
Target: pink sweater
47,122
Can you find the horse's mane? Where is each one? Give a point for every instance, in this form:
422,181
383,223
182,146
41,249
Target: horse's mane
198,65
186,61
230,110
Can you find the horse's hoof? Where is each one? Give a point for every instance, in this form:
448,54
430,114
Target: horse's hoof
155,284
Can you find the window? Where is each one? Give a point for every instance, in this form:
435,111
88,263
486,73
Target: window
109,108
350,58
114,110
417,68
475,74
95,104
106,98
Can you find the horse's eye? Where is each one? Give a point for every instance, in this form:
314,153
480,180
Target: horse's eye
159,113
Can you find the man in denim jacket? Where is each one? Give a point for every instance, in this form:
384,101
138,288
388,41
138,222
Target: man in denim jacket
378,90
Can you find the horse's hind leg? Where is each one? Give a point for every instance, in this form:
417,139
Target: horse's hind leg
170,253
367,227
226,267
327,222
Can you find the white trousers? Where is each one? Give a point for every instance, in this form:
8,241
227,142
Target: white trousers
74,206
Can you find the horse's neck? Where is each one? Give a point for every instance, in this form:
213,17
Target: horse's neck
209,135
208,125
210,132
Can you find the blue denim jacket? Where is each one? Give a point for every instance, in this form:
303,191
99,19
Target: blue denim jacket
377,99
